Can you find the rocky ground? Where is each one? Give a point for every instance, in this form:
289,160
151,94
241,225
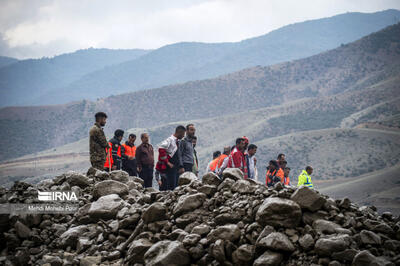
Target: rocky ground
209,222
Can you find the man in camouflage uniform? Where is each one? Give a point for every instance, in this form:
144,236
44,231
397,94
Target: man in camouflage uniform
98,142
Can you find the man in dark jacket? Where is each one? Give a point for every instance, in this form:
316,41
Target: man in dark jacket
118,152
186,150
145,160
98,142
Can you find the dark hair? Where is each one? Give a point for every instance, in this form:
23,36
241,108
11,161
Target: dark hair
280,156
194,137
142,135
180,128
274,163
119,133
288,168
132,136
308,168
189,125
239,140
216,154
251,147
100,115
284,162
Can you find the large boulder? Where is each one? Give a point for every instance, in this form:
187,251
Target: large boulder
269,258
308,198
155,212
279,212
77,179
211,179
119,175
186,178
137,249
365,258
108,187
22,230
229,232
243,187
368,237
306,242
326,227
70,237
243,255
331,244
188,203
167,253
106,207
277,241
232,173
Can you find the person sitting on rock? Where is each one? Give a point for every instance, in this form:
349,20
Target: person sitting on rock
305,177
274,174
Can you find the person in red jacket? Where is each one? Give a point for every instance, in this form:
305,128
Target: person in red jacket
237,159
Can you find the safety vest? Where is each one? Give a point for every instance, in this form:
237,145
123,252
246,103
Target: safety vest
213,164
305,180
286,181
278,173
109,160
130,150
221,159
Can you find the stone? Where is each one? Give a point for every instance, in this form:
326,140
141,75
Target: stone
202,229
211,179
106,207
70,237
83,243
188,203
279,212
155,212
306,242
22,230
209,190
186,178
345,203
232,173
90,261
326,227
243,255
243,187
167,253
326,246
345,255
364,258
108,187
308,198
137,249
119,175
52,260
269,258
218,251
368,237
191,240
229,232
77,179
278,242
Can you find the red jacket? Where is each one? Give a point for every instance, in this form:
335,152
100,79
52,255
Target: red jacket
237,159
163,159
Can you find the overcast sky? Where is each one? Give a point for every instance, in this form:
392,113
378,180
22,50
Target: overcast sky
36,28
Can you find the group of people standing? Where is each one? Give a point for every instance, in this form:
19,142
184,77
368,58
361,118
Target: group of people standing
176,155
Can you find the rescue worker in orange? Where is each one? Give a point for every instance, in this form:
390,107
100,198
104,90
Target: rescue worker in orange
212,166
114,154
129,163
274,174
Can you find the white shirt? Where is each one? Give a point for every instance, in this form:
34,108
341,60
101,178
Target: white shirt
223,165
169,145
252,168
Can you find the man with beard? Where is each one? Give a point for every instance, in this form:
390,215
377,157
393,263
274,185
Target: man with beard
98,142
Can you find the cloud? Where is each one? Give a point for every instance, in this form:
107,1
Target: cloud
35,28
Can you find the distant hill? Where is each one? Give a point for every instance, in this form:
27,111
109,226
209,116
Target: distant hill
27,81
183,62
5,61
312,93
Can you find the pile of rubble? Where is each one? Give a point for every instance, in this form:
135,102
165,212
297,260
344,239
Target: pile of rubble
202,222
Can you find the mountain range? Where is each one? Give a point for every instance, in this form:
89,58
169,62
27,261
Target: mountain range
98,73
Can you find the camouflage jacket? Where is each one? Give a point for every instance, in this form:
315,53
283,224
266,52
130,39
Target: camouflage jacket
97,143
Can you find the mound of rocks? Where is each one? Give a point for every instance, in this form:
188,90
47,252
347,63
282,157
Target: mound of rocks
213,221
